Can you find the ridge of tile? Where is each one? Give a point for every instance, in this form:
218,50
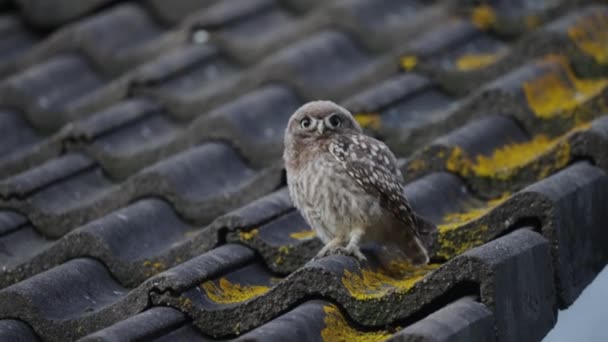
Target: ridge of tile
118,239
84,192
312,279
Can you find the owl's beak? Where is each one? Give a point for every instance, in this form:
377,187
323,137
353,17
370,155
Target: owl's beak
321,127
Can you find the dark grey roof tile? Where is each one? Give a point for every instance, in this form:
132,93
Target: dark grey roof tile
231,14
146,325
328,64
223,168
176,10
152,131
336,277
16,246
135,243
285,243
511,18
194,271
249,32
185,333
254,122
18,331
113,38
398,105
15,133
524,94
579,35
460,321
201,73
75,194
47,15
43,92
386,93
477,153
15,38
303,5
10,221
321,65
576,230
29,182
69,300
304,323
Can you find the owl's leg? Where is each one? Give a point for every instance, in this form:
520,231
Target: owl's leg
353,245
331,247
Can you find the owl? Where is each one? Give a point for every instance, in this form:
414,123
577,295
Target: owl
347,185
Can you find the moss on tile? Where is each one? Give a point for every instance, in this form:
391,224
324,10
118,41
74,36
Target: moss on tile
225,292
468,62
408,63
371,284
558,93
248,235
369,120
337,328
483,16
590,34
507,160
303,235
458,233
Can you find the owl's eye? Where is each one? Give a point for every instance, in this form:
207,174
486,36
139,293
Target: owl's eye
305,122
334,121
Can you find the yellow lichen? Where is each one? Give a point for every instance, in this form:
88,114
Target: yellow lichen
453,221
532,21
457,161
409,62
370,284
246,236
502,162
469,62
154,267
416,165
590,34
560,92
369,120
457,241
303,235
505,161
337,329
228,293
184,302
561,157
483,17
283,251
457,234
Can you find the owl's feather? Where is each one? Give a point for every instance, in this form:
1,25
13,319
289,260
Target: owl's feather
374,167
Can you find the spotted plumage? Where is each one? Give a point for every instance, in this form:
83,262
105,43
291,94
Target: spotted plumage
347,185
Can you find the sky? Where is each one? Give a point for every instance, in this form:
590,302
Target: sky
586,320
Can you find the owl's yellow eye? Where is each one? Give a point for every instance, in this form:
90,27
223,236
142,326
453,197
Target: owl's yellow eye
305,122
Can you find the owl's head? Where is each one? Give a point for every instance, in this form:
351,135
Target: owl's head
319,119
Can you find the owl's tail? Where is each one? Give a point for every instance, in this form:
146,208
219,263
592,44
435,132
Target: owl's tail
414,250
415,246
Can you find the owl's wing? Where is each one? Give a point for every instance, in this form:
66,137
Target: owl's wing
374,167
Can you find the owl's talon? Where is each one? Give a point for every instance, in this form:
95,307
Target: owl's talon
328,250
354,251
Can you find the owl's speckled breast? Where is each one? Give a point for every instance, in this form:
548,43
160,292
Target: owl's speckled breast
329,199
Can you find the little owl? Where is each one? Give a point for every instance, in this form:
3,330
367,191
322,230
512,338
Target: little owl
347,185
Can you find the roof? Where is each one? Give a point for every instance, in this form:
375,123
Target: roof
142,193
